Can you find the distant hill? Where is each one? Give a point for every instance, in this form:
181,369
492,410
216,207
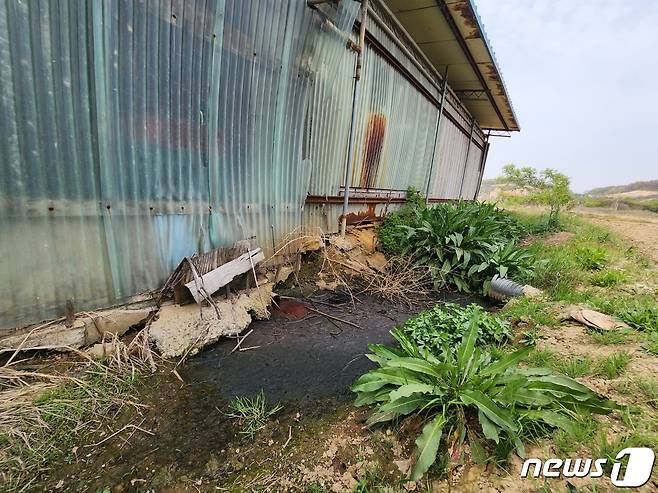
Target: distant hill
638,186
489,185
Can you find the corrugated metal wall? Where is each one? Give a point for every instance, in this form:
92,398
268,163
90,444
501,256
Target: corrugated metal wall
135,133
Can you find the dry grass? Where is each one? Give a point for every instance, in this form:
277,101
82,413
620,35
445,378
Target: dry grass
401,282
47,415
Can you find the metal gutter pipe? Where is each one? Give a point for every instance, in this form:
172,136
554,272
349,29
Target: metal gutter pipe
355,100
468,152
436,135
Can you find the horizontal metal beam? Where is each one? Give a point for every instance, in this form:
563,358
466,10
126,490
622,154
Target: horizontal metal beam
338,199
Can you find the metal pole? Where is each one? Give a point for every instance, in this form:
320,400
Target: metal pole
436,135
355,99
468,152
485,153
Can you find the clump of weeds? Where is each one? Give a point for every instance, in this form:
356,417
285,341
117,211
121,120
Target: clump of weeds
607,278
532,312
611,337
592,257
252,413
614,365
43,417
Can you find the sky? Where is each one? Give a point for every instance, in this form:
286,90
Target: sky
583,79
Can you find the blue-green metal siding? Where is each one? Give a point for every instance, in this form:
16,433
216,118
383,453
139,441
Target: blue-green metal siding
134,133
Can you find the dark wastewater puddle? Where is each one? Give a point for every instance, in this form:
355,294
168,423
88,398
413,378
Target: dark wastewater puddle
302,359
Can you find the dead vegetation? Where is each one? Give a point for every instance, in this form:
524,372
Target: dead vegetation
50,410
401,281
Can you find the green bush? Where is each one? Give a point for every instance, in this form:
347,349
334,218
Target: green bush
388,231
444,326
462,244
472,396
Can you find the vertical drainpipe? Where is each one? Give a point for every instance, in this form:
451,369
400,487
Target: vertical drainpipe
436,136
355,99
483,163
468,153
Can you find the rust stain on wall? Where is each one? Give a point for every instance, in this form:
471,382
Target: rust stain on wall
372,153
363,217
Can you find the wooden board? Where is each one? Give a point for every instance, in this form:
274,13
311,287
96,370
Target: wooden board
224,274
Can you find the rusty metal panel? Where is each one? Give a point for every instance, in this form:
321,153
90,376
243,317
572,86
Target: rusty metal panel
394,135
135,133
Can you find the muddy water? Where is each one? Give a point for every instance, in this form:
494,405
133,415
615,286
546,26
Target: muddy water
304,360
299,354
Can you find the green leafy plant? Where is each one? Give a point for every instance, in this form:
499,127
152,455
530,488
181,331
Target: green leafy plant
463,245
592,257
470,395
530,338
607,278
389,231
444,326
252,413
640,314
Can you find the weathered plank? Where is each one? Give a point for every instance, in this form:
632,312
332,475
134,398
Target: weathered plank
210,282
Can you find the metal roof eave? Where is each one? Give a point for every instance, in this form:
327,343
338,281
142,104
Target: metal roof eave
451,35
466,16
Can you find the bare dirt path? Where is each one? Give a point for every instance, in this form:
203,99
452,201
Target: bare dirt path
641,229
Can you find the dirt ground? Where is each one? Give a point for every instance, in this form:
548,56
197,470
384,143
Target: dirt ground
318,442
639,228
301,359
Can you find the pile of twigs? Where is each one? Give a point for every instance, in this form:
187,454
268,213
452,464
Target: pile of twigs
400,282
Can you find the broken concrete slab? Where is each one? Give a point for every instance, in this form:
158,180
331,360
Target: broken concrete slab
341,243
591,318
531,291
181,330
365,237
377,261
87,329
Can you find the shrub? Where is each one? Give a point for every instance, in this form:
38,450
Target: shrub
547,187
444,326
463,244
471,395
389,231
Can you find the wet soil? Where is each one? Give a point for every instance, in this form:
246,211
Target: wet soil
299,354
298,357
